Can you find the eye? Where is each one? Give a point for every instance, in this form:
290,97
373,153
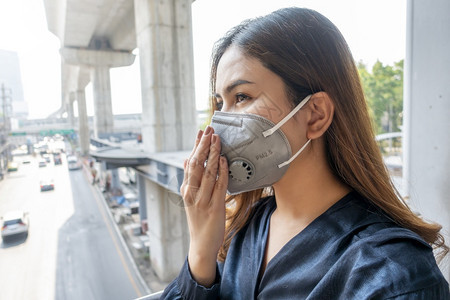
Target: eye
219,105
241,98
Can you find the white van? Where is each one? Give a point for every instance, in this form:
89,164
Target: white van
73,163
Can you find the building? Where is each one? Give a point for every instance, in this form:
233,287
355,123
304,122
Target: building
11,79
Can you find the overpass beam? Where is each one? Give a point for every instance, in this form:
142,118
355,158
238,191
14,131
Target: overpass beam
164,39
426,144
99,62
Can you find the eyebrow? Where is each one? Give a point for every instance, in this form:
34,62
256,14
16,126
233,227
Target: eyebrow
233,86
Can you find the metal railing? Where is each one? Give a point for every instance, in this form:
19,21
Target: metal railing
153,296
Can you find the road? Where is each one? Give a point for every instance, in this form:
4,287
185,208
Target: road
72,250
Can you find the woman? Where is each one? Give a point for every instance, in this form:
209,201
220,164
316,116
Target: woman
312,213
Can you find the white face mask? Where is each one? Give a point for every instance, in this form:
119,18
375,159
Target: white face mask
257,151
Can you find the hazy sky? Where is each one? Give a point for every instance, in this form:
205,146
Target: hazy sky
374,29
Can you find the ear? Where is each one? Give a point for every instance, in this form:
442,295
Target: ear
320,114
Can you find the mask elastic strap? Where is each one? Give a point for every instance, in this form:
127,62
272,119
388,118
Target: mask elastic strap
294,156
285,119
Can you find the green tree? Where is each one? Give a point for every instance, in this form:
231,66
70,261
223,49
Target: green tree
383,88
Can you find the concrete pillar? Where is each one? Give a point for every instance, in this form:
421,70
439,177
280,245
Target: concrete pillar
426,145
141,197
83,125
103,116
69,109
164,39
115,180
168,237
99,61
65,106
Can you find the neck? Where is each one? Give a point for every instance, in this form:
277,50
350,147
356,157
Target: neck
308,188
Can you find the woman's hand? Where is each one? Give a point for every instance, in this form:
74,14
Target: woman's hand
203,190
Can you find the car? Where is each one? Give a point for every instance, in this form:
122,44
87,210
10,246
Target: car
47,185
42,163
57,159
73,163
12,166
47,158
14,223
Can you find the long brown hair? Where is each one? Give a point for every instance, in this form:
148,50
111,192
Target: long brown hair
310,54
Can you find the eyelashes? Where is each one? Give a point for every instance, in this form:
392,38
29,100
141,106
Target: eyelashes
219,105
238,98
242,97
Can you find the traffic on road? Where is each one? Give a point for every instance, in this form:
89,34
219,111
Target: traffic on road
57,241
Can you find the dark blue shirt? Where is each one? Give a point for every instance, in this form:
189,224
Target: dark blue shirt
352,251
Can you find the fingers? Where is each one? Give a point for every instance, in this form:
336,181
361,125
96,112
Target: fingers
210,173
220,188
200,179
194,167
198,158
197,141
186,161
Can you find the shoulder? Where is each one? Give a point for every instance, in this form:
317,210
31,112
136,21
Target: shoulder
385,260
379,258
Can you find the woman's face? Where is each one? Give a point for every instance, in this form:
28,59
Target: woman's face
244,85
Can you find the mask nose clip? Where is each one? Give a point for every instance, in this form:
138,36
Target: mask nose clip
241,170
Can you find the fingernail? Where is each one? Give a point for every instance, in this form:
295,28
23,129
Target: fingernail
208,130
214,139
199,133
